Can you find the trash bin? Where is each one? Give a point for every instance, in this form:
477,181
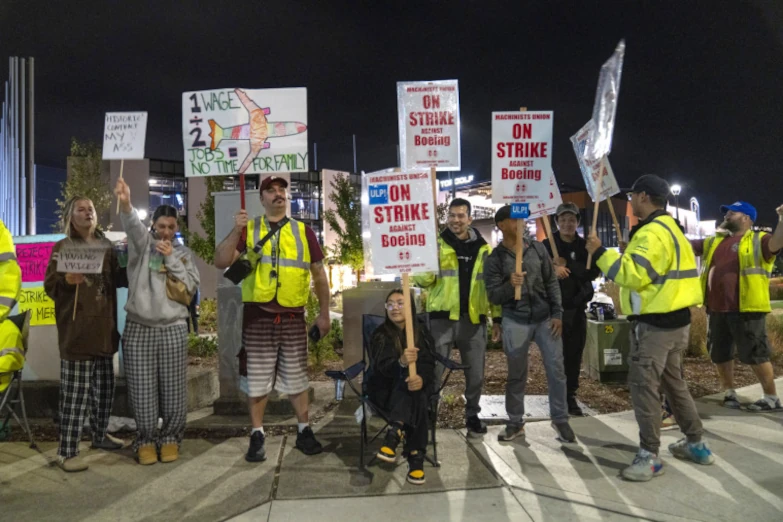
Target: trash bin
606,350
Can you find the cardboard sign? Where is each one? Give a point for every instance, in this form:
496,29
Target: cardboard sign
244,131
34,298
33,259
81,260
398,224
429,125
521,157
591,170
124,134
549,204
605,105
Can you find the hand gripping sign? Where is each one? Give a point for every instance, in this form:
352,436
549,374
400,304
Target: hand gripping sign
398,229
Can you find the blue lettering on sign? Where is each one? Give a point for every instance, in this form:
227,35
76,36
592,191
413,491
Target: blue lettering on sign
379,194
520,210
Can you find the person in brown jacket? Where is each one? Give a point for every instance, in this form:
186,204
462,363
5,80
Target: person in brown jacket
88,336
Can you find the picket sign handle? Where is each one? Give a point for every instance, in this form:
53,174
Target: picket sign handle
434,175
75,300
597,194
519,250
548,229
410,342
122,166
617,230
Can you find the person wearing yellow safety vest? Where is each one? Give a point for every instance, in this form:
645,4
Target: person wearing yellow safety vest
736,267
282,255
11,347
458,306
659,282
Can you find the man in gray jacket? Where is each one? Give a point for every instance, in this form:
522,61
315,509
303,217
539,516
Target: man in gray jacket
537,316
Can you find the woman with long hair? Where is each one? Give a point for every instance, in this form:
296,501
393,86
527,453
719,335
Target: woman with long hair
86,317
391,388
162,277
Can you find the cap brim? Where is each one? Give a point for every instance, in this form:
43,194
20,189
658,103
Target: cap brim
724,209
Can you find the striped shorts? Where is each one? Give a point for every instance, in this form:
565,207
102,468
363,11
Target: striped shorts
276,351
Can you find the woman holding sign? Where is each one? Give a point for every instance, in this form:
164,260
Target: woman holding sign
162,279
390,387
85,307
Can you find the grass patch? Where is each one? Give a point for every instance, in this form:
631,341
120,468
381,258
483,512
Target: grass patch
775,336
202,346
207,321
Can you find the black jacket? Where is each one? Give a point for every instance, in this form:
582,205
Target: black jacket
577,288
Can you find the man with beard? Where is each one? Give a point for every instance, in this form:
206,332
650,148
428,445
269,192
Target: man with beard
458,305
576,287
736,267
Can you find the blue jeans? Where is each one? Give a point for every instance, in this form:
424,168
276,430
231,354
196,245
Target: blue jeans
516,343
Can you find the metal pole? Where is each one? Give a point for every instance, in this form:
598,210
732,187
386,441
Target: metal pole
22,147
315,157
14,208
354,153
31,192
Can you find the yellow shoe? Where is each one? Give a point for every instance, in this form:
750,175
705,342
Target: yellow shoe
147,455
416,468
169,453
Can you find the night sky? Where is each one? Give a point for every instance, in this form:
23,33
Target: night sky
700,102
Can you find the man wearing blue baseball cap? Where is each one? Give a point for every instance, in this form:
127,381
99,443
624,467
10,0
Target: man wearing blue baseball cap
736,266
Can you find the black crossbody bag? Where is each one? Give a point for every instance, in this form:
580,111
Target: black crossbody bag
242,267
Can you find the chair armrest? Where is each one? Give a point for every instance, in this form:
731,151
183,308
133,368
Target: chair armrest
348,374
448,363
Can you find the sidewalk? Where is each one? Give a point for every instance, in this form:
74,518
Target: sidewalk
535,478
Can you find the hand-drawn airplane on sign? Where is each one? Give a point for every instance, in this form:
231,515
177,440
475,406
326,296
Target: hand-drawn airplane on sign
258,130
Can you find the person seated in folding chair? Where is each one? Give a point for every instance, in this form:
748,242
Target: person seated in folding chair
390,387
11,344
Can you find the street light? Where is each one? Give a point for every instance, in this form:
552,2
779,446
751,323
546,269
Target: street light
676,189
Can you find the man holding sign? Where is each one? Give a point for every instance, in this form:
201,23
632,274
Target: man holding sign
85,302
536,316
12,358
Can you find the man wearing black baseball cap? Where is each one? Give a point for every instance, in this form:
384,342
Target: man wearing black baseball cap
658,283
736,267
576,288
280,255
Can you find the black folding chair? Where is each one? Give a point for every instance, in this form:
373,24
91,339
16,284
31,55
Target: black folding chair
369,324
13,395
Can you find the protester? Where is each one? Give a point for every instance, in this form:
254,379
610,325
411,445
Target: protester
537,316
162,278
87,337
658,283
458,306
274,292
736,267
11,342
390,387
576,288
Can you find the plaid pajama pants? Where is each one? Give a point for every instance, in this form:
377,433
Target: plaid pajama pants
156,361
83,383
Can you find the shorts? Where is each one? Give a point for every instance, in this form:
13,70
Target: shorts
748,331
276,350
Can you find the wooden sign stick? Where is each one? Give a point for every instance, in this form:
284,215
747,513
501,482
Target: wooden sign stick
409,340
519,250
617,230
434,174
75,300
548,229
122,166
598,188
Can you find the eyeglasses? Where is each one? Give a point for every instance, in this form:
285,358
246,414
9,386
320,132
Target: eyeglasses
394,306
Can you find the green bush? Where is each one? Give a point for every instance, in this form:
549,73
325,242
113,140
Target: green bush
207,321
202,346
775,336
697,341
776,292
325,349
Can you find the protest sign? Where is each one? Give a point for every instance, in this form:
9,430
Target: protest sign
594,170
33,259
521,157
124,134
398,226
549,203
605,105
41,307
244,131
81,260
429,124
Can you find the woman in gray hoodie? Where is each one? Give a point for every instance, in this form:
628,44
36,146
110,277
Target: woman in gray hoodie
162,276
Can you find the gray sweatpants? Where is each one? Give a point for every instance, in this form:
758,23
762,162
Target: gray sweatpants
471,341
516,343
656,366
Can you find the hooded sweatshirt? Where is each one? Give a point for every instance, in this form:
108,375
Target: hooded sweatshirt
148,303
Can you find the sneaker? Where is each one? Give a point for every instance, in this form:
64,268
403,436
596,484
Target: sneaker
72,464
645,466
108,443
388,451
305,441
698,452
256,451
475,427
765,404
416,468
731,402
511,432
573,408
668,422
564,432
